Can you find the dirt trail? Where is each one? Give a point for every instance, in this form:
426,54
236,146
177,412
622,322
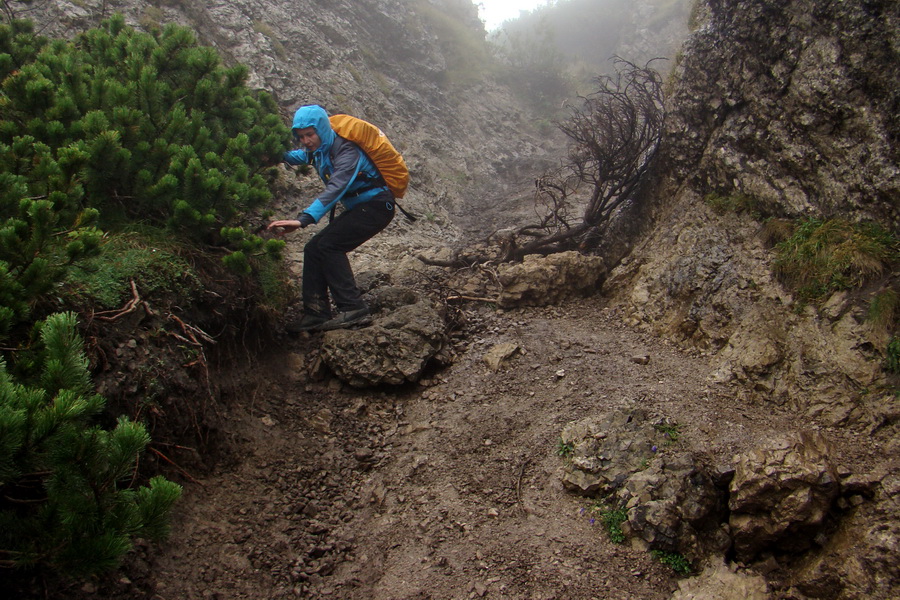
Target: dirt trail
439,491
443,490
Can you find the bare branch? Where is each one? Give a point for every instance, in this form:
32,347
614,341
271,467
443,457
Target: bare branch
616,134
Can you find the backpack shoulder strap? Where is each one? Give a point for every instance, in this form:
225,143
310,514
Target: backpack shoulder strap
359,163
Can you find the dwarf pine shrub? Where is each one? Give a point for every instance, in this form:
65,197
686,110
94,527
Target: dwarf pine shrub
141,127
67,498
117,127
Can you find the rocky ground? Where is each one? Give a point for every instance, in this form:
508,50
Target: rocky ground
447,489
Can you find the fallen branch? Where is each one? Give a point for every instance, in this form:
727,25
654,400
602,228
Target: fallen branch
472,298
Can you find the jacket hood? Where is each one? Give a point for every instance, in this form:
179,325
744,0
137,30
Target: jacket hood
315,116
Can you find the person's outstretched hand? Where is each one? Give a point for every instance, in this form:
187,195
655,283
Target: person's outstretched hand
283,227
289,225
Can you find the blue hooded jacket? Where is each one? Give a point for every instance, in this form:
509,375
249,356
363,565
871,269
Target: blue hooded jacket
336,160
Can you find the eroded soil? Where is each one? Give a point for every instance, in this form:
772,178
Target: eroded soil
443,490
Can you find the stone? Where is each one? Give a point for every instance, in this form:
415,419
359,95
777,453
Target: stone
394,350
721,582
545,280
781,494
675,507
499,354
607,450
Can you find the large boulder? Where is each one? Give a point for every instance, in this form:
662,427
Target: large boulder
781,494
394,350
634,461
544,280
673,505
720,582
605,451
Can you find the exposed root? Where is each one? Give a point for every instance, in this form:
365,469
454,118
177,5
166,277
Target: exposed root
174,464
131,306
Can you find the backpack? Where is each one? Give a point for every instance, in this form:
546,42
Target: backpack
378,148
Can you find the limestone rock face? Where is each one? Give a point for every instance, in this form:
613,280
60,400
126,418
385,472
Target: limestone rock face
781,494
791,106
859,560
811,83
674,506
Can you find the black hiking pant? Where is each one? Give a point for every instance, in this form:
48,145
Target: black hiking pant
325,264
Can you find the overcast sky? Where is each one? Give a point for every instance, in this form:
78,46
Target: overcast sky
494,12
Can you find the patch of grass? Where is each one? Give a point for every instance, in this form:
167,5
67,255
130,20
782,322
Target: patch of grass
884,310
670,430
266,30
775,230
152,264
892,358
382,84
674,560
151,18
823,257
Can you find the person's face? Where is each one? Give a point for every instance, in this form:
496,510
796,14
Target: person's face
307,138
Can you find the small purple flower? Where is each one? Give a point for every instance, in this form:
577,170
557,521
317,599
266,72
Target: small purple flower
592,520
653,449
581,511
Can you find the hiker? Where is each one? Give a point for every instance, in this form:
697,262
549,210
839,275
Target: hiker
351,178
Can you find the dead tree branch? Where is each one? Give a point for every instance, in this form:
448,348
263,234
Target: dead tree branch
616,134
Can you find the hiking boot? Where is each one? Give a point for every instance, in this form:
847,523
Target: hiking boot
351,318
309,322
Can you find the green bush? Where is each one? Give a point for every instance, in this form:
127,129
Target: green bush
67,500
112,132
142,127
117,127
